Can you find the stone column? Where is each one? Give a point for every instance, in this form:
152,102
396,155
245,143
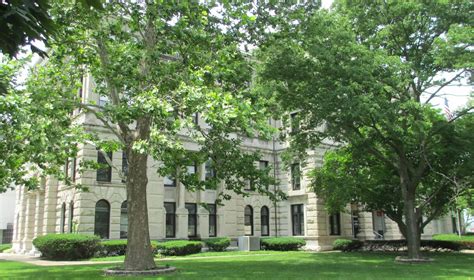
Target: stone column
181,212
203,222
19,227
49,205
29,223
38,229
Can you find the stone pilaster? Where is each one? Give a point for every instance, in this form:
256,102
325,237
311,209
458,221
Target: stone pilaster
181,223
29,223
203,222
49,207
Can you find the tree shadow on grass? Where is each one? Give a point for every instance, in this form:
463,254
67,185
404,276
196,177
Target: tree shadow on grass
298,265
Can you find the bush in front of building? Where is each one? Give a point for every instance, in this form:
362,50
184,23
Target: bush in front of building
401,245
217,244
179,248
111,248
347,245
282,243
4,247
467,241
67,246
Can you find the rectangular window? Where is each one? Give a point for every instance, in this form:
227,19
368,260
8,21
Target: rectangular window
262,164
212,220
73,169
191,169
294,122
295,176
104,174
335,224
297,219
210,172
169,181
124,167
192,219
170,208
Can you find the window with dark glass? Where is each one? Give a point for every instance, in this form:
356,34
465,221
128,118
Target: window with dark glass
170,208
71,216
192,219
335,224
210,171
294,122
248,220
73,169
265,221
295,176
124,220
297,219
169,181
263,164
62,226
124,166
212,220
191,169
104,174
102,219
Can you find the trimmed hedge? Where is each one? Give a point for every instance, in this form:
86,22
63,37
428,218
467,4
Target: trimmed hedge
179,248
282,243
67,246
347,245
4,247
400,245
466,241
110,248
217,244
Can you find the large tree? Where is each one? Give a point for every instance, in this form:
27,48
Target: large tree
158,65
363,76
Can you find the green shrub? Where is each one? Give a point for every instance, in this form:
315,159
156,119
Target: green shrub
67,246
4,247
400,245
466,241
282,243
110,248
179,248
217,244
347,245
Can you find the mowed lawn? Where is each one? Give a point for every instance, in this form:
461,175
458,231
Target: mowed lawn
272,265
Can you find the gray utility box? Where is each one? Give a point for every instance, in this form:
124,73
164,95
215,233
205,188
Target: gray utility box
249,243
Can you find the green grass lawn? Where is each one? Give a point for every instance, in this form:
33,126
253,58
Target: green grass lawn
275,265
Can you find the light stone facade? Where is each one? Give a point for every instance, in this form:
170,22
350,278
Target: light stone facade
55,208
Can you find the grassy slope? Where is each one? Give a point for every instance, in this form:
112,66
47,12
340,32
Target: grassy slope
291,265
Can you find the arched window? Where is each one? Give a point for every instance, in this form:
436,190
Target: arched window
124,220
248,220
265,221
63,217
71,215
102,219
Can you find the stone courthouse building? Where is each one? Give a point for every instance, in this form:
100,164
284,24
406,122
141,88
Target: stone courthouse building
175,213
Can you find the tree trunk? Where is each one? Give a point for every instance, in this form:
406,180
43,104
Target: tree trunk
413,232
139,252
